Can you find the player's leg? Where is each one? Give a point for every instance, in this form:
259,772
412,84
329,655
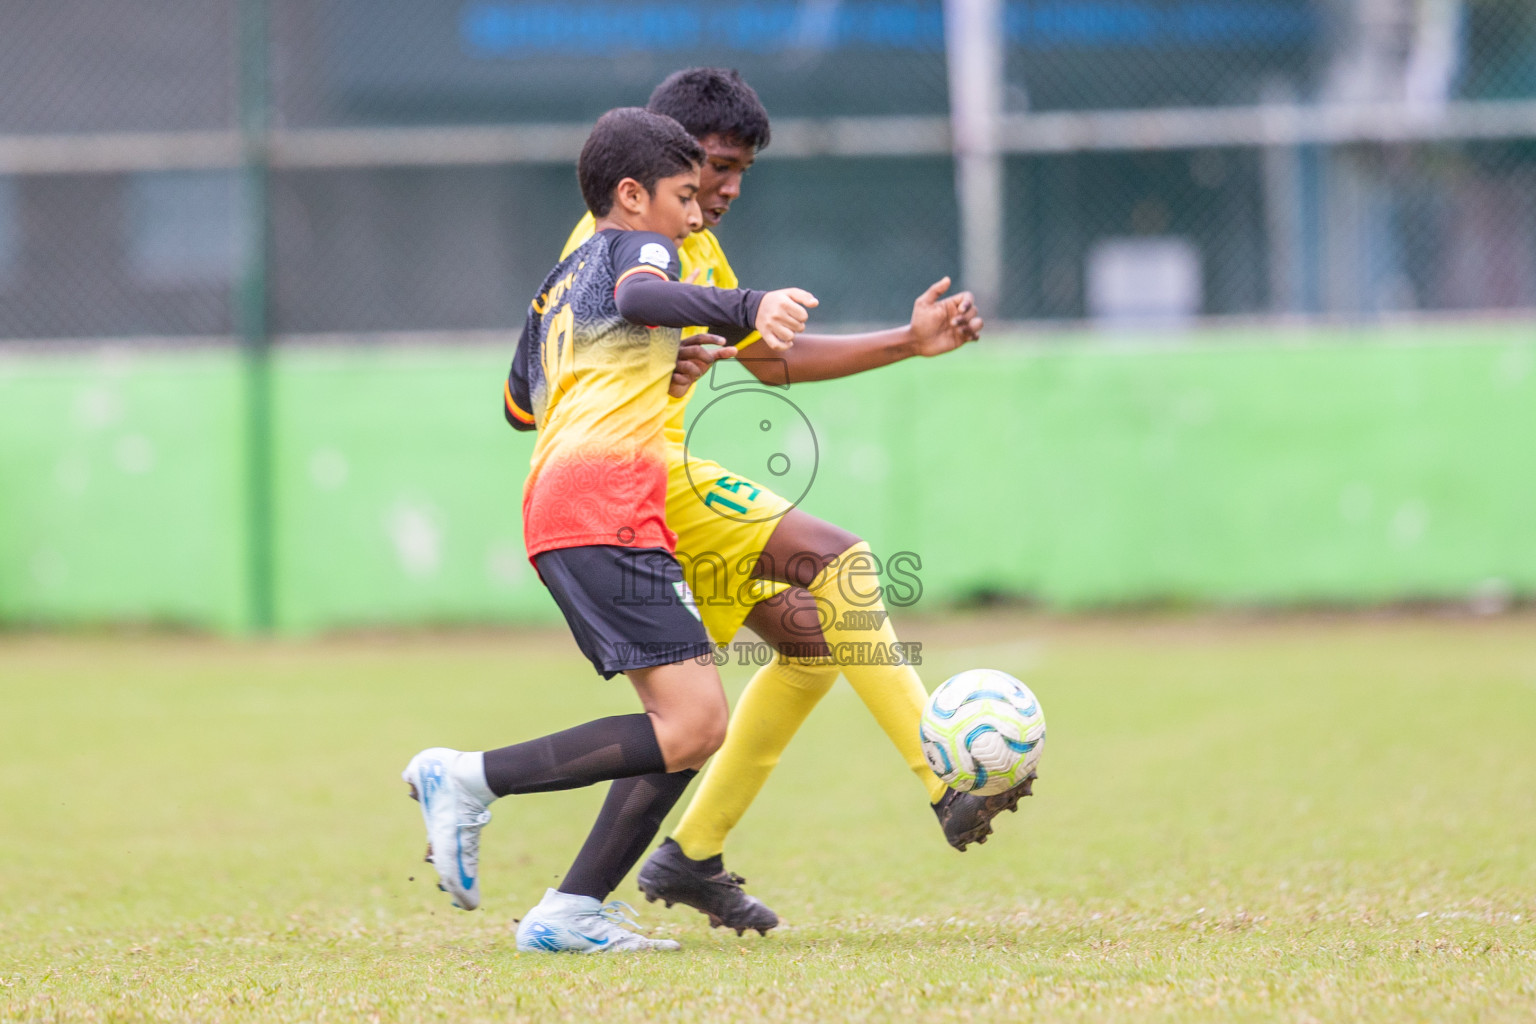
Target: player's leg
689,867
839,571
837,568
688,712
773,706
629,613
456,788
722,522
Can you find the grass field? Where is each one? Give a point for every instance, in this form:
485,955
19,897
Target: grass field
1292,819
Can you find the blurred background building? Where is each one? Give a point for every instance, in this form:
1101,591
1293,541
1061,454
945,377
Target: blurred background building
259,176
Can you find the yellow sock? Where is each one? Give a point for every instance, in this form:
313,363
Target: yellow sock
771,709
893,693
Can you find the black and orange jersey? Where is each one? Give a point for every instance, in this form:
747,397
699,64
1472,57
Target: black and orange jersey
593,377
699,257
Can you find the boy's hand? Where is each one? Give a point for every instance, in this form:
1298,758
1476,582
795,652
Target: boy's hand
782,315
695,356
942,325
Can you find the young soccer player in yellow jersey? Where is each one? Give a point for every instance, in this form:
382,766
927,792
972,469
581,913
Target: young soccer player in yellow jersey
776,560
593,376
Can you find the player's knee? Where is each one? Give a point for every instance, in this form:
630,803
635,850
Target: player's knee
711,726
691,751
791,622
711,738
688,738
802,546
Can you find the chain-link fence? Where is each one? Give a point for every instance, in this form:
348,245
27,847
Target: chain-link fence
363,166
1278,157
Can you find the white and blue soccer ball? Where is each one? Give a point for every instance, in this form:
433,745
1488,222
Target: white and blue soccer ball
982,731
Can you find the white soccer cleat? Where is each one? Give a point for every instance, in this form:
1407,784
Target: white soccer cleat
454,819
566,923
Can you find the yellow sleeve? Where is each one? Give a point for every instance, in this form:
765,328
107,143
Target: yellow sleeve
579,234
701,251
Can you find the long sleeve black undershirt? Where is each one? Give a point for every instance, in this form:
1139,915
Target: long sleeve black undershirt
656,302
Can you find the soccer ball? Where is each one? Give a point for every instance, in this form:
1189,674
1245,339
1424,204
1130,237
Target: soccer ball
982,731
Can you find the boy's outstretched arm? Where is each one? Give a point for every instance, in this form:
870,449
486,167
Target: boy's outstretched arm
939,324
651,298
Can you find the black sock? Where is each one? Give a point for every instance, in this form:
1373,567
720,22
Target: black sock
608,748
629,820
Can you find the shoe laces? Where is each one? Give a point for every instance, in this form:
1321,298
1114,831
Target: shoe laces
620,913
469,832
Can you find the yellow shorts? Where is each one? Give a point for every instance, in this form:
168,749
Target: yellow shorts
723,522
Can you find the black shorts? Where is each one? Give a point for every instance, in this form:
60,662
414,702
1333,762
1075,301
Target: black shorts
628,607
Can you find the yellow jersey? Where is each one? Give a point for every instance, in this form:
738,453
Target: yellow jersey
700,253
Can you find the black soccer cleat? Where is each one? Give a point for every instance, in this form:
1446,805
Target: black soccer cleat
671,876
967,818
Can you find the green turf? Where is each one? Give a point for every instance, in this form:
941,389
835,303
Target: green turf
1288,820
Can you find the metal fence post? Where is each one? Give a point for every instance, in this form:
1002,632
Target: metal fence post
974,46
251,308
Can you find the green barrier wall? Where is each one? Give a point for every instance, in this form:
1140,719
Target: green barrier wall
121,489
1341,467
400,490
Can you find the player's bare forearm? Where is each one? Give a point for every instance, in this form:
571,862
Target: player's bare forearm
829,356
939,324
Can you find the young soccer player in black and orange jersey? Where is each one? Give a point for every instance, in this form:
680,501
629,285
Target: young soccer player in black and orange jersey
591,371
739,539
